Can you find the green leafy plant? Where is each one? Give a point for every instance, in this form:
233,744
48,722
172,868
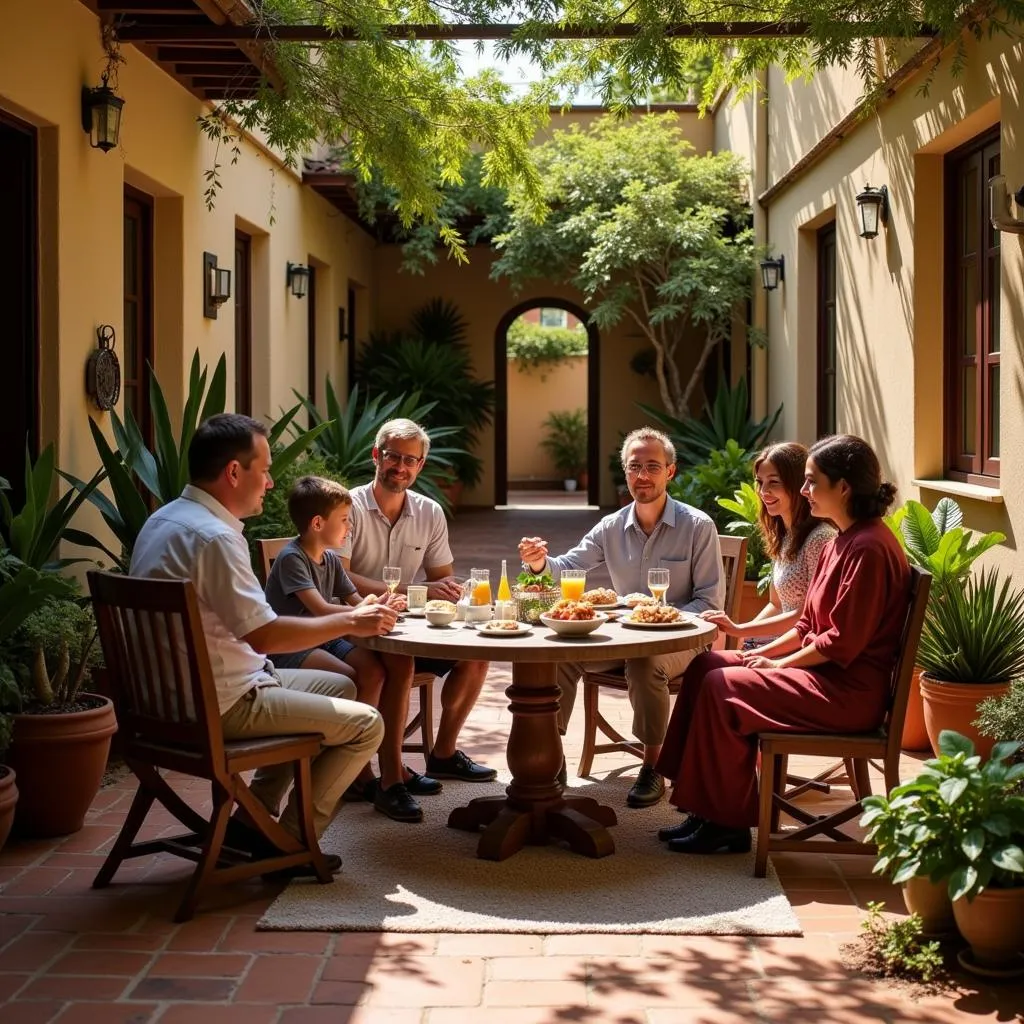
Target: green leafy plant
535,347
1002,718
896,948
565,440
346,442
746,505
162,472
434,360
33,533
727,419
958,820
975,633
724,472
937,541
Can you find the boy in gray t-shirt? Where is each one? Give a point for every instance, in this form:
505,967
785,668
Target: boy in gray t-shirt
308,578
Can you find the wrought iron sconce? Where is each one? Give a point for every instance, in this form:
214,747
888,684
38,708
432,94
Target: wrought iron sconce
873,207
101,116
216,286
298,279
773,272
999,205
103,371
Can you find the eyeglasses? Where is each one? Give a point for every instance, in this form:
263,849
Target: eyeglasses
650,468
394,458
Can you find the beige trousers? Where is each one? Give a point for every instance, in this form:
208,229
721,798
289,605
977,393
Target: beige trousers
647,682
308,701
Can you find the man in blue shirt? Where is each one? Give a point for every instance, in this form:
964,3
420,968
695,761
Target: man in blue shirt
655,531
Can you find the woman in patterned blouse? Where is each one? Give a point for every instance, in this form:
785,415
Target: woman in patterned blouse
793,539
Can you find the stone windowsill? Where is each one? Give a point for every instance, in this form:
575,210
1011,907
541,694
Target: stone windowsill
962,490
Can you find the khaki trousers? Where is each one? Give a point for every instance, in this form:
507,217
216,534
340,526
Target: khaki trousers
647,682
308,701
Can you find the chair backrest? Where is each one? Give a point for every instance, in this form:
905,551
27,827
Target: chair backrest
734,564
160,676
903,670
269,550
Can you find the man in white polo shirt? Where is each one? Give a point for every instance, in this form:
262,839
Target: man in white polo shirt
393,525
198,537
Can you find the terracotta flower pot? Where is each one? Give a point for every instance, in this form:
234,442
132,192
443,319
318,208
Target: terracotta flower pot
60,759
8,798
994,926
915,734
931,902
955,706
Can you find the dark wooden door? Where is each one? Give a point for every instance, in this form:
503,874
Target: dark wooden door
19,256
827,330
311,339
137,341
243,323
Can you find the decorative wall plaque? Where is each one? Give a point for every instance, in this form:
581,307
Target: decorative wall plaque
103,371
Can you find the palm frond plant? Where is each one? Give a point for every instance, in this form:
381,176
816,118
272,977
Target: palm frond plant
565,440
726,419
163,471
745,504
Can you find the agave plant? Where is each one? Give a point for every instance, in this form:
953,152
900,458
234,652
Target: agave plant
937,541
975,633
162,472
346,441
728,419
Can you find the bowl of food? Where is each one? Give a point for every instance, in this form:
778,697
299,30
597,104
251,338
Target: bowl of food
573,618
439,613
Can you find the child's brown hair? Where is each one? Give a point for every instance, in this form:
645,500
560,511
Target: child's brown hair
315,496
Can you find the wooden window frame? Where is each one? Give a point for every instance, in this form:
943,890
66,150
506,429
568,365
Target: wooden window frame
826,377
144,313
978,467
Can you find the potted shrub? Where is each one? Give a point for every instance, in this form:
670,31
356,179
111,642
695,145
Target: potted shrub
61,733
937,542
971,648
1002,718
962,822
566,443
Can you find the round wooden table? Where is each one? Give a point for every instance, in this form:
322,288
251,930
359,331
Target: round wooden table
534,809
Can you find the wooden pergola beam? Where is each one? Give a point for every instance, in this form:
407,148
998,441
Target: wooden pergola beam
174,32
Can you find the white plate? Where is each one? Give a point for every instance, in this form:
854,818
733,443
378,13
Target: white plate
574,627
521,631
683,623
415,613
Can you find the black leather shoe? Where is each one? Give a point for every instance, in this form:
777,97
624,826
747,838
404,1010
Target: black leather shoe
304,870
397,804
648,789
682,830
360,791
563,773
459,766
712,838
421,785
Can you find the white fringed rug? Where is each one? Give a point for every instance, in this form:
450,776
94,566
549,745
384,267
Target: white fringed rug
426,878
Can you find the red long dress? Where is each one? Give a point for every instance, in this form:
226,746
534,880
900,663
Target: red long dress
853,614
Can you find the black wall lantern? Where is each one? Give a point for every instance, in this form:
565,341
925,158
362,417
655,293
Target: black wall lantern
873,207
216,286
298,279
101,116
773,271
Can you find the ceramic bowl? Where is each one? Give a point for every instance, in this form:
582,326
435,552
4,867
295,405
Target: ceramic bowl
439,618
574,627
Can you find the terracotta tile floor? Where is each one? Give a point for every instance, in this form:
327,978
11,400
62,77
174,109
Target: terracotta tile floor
70,954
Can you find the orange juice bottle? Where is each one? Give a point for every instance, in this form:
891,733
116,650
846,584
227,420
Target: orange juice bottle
504,590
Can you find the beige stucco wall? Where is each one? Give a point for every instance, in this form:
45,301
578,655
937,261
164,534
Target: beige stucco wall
532,394
889,308
483,303
48,51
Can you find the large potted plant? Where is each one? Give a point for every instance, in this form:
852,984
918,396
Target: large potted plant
971,648
937,542
62,732
565,440
961,822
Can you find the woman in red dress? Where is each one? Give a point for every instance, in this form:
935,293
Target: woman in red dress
830,673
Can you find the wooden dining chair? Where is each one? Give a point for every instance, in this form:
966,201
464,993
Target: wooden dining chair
734,561
422,682
882,744
165,697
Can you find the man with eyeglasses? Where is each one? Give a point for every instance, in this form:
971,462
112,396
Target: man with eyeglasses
394,525
655,531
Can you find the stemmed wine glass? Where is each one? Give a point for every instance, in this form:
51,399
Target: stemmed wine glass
657,583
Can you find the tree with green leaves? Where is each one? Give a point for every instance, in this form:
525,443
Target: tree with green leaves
646,231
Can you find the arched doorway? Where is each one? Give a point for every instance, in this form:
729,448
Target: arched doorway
501,380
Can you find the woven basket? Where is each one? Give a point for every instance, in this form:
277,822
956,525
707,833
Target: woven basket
531,604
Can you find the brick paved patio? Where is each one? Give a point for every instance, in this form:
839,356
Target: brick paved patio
70,954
